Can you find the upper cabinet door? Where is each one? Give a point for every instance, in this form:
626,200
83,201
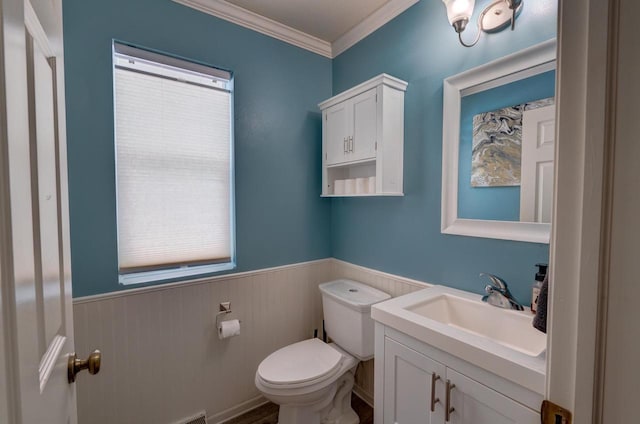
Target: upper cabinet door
475,403
362,145
409,378
337,133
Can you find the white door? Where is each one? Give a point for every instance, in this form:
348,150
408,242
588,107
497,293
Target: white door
536,188
36,274
336,131
408,381
362,145
474,403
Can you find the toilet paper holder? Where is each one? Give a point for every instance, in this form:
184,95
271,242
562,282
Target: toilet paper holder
224,309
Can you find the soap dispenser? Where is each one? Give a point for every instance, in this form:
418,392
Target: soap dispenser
537,285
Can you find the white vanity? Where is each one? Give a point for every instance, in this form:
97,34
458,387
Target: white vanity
443,355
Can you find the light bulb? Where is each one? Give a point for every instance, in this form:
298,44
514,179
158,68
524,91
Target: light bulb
459,10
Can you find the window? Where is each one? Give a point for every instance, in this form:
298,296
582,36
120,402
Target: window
174,169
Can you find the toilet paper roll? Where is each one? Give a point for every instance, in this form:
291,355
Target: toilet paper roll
338,187
228,329
372,185
362,186
350,186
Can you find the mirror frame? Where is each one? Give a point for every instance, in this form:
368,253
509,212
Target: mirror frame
514,67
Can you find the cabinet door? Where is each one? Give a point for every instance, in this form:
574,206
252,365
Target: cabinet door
475,403
363,144
337,132
407,386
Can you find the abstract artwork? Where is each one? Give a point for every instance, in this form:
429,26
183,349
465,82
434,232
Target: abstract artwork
497,145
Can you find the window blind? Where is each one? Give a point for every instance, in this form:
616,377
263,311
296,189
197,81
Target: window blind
173,153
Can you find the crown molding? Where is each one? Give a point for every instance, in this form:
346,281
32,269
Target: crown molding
371,23
243,17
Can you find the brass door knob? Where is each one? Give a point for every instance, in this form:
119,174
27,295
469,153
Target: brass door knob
75,365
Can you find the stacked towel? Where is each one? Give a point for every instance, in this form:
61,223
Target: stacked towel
540,320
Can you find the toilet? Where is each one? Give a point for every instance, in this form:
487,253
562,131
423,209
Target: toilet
312,380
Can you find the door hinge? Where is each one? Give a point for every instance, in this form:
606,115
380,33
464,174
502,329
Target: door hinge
554,414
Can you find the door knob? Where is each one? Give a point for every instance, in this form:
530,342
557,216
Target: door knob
75,365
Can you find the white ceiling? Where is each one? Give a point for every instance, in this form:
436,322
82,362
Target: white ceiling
325,27
325,19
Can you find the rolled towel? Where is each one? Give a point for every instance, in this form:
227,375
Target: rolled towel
540,320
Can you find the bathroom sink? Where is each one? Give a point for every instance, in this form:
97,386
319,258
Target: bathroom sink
509,328
498,340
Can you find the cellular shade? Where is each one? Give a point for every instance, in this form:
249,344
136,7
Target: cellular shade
173,153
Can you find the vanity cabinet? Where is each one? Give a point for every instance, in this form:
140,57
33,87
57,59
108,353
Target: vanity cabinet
363,137
414,382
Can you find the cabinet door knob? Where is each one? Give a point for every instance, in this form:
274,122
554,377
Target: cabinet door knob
351,143
345,145
448,408
434,399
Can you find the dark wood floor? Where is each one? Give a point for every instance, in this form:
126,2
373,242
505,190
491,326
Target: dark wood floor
268,414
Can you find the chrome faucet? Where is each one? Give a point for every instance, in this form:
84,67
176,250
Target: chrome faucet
498,294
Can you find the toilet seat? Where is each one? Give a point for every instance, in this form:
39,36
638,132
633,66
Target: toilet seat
301,364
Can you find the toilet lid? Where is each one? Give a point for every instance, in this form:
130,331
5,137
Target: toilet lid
300,362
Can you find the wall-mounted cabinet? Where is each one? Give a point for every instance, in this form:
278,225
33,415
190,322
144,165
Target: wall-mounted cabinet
363,139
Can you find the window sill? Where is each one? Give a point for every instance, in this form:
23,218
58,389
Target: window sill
170,275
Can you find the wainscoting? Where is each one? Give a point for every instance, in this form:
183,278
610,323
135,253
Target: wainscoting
163,361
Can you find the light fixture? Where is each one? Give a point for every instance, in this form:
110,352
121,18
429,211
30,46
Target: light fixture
494,18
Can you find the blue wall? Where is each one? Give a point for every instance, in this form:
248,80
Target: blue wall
499,203
280,216
402,235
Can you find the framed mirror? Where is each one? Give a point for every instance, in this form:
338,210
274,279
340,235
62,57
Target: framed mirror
498,145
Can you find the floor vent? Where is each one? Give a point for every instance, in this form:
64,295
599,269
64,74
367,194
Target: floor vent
200,418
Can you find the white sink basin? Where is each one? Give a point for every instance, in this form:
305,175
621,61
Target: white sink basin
509,328
498,340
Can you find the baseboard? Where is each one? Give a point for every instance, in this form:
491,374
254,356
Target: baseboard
362,394
236,411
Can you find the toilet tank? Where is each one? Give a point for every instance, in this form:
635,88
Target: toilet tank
347,315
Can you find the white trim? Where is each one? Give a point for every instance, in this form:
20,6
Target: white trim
237,410
384,79
248,19
180,284
577,249
370,24
237,275
159,275
527,62
363,395
386,275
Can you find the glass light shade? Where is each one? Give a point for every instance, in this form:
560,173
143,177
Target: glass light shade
459,9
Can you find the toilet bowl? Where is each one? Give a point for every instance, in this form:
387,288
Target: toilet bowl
312,380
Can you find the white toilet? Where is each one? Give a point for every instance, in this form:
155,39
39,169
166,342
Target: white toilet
312,380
